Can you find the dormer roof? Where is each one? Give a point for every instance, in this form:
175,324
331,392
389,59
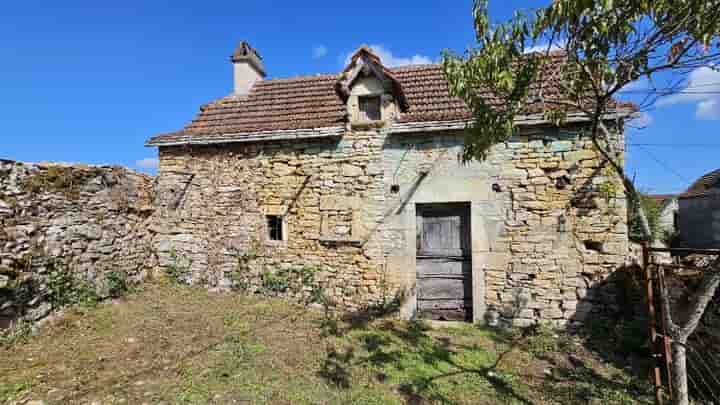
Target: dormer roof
365,63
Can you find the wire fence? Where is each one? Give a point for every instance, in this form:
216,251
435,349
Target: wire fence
675,274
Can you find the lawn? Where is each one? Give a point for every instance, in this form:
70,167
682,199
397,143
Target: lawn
167,343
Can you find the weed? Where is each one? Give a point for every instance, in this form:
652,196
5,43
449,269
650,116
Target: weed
275,282
15,334
542,340
64,289
240,276
10,392
294,280
60,286
65,180
175,269
117,283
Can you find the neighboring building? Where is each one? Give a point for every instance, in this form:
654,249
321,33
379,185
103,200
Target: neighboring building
699,213
668,218
359,174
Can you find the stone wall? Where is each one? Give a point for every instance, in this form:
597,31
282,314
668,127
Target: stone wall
84,220
548,227
213,203
548,221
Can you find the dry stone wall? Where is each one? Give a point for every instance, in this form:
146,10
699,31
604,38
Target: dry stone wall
82,221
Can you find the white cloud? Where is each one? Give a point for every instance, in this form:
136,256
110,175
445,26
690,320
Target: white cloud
643,120
148,163
319,51
542,48
390,60
704,89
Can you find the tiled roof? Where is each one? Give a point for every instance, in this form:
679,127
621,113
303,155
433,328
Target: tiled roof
662,198
705,185
312,102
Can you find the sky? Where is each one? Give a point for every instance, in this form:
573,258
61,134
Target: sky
89,81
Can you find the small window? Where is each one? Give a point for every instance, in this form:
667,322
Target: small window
369,108
275,227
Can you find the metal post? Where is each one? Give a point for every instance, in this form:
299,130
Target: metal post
657,379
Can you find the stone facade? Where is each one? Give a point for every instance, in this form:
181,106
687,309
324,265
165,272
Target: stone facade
85,220
548,218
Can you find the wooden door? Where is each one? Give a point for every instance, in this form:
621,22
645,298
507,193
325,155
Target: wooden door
444,265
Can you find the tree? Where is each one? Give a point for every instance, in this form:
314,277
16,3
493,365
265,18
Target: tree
605,45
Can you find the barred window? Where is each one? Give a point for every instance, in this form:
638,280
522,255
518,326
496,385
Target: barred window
369,108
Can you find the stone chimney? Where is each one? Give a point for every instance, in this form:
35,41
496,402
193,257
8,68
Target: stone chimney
247,68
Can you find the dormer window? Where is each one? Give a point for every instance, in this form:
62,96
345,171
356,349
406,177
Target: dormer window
370,108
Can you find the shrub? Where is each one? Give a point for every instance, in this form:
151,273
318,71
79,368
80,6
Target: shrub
175,270
64,289
542,340
117,283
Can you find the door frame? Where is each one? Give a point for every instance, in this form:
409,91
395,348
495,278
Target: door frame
464,210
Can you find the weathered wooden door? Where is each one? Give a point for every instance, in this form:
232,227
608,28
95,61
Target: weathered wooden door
444,266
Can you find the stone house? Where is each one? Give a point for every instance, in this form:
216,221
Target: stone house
358,174
699,213
668,216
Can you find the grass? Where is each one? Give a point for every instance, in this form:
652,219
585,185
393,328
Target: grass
177,344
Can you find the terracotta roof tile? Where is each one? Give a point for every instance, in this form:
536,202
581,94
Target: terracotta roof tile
662,198
706,185
312,102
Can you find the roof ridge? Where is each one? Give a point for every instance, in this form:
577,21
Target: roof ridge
299,77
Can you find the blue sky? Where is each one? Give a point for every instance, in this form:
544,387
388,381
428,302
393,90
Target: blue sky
88,81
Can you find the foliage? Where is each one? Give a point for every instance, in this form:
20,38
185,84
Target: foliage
117,283
606,45
542,340
61,179
17,333
294,280
653,210
10,392
64,289
177,267
241,275
492,67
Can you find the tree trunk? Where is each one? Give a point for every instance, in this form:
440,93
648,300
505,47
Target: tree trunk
679,374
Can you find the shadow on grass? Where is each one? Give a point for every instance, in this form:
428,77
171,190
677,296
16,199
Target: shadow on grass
408,351
424,366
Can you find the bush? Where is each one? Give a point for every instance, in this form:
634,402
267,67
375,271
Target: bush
542,340
117,283
64,289
175,270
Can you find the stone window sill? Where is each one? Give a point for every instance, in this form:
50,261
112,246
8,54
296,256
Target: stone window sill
367,124
340,241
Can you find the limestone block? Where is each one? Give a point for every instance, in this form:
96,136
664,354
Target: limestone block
335,202
351,170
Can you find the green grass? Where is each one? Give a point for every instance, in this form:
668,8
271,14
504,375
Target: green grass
179,344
